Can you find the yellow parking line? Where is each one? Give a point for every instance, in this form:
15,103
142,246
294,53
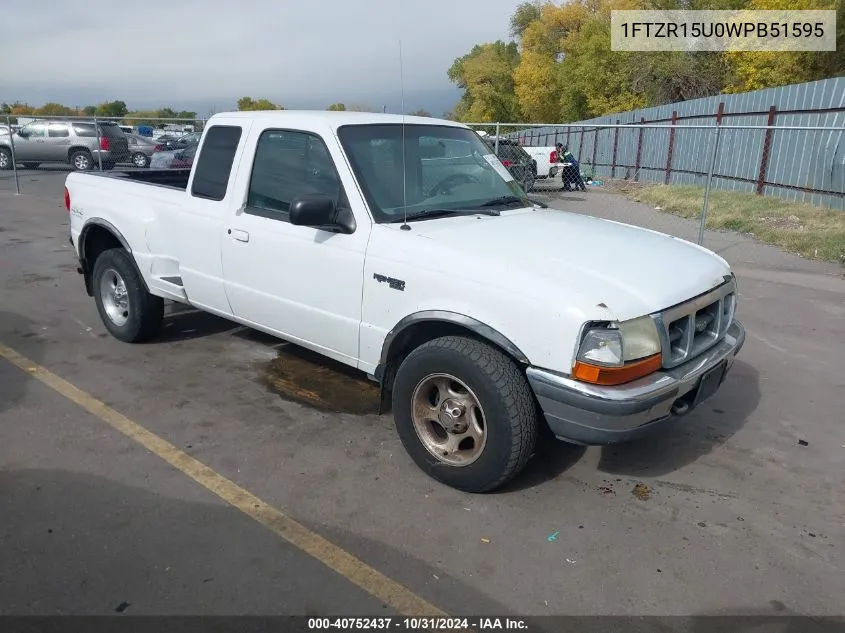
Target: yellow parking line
388,591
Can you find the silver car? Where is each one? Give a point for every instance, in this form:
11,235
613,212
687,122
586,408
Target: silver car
71,142
141,150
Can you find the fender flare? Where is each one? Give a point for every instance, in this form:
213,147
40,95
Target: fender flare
111,228
83,263
445,316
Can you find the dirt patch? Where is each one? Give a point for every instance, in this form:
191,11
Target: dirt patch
641,492
789,222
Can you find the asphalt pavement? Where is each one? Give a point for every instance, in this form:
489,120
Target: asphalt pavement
737,508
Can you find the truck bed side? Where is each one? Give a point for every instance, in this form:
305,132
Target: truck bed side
141,210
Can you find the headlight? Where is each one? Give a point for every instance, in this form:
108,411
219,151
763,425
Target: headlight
618,352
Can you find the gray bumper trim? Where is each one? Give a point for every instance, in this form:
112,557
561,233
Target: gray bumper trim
593,414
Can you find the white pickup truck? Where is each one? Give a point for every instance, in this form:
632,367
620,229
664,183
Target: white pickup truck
402,247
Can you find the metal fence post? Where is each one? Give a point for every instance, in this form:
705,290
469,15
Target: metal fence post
764,157
639,150
671,148
496,149
709,182
14,160
99,148
615,145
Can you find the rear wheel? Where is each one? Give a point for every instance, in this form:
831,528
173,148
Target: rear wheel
465,413
528,182
5,158
140,160
81,160
128,311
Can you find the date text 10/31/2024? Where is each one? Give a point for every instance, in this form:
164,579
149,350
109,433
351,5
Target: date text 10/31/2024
417,624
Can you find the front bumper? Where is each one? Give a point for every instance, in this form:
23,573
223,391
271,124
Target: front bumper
591,414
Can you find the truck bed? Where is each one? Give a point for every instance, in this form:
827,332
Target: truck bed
173,178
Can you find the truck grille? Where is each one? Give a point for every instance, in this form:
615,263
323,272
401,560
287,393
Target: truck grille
694,326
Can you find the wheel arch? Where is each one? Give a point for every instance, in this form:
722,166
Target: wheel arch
97,236
421,327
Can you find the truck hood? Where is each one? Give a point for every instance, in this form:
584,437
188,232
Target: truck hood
629,270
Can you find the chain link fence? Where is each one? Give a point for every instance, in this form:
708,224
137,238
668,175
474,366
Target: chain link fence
32,144
800,163
803,163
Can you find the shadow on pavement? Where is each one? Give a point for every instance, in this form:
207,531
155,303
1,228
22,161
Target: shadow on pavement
183,323
689,438
81,544
552,459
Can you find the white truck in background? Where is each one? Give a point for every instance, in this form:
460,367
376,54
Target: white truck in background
402,247
548,165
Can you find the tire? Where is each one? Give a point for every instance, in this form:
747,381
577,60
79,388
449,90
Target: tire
474,370
31,165
81,160
5,159
528,183
130,314
140,160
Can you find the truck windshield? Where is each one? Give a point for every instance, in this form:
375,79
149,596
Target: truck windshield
446,168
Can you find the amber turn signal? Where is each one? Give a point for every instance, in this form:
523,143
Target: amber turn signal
609,376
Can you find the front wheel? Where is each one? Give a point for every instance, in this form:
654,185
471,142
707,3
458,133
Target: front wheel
5,159
528,182
140,160
128,311
465,413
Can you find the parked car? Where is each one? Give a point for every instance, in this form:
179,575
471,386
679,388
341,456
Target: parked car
73,142
141,150
482,316
516,160
169,143
548,165
173,159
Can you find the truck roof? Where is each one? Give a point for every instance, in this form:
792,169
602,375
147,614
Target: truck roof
332,118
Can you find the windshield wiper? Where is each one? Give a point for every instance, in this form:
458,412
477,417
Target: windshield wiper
442,213
503,200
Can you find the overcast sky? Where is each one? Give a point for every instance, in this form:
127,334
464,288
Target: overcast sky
202,54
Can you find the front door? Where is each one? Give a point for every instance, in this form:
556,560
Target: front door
30,142
303,283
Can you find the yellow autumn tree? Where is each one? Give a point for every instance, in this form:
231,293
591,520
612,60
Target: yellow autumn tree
537,81
768,69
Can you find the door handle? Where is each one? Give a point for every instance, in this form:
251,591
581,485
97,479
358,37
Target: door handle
241,236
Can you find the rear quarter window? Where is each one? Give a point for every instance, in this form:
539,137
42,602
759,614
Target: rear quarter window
212,171
88,130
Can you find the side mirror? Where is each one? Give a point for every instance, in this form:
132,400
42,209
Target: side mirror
22,133
320,212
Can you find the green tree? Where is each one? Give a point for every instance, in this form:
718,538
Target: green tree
250,104
111,109
89,110
485,74
54,109
525,14
22,109
336,107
